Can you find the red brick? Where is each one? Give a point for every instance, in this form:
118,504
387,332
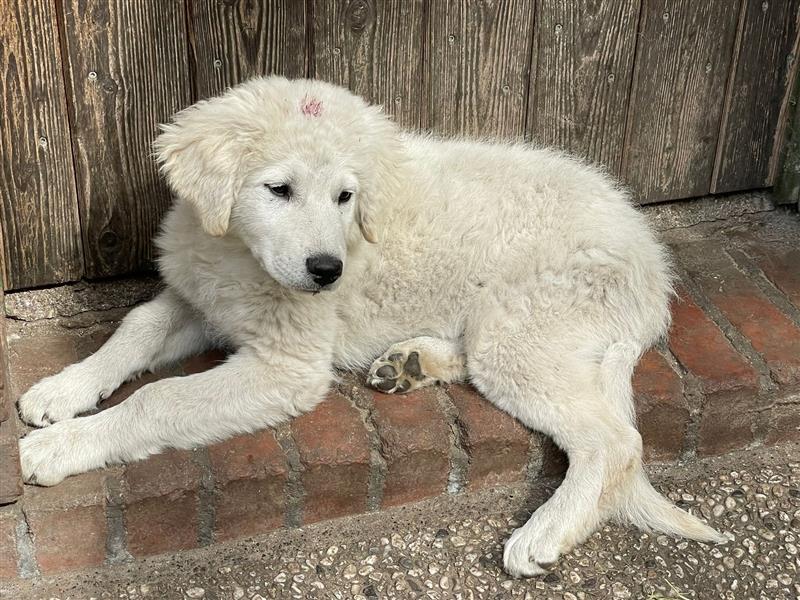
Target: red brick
10,476
250,473
781,266
6,399
204,362
770,332
783,424
704,351
68,522
161,503
416,445
726,424
729,383
555,461
86,345
334,450
32,359
8,543
661,407
497,443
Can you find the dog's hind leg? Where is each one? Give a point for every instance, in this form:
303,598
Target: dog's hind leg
416,363
551,370
156,333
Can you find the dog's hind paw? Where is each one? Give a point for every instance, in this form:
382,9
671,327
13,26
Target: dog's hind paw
398,372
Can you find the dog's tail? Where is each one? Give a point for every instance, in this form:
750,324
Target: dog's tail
637,502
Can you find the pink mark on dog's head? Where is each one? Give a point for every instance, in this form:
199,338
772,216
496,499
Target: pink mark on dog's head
311,107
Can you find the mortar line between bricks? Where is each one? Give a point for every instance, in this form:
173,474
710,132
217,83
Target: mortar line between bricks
692,392
748,266
293,493
377,463
27,565
206,498
459,456
116,534
737,339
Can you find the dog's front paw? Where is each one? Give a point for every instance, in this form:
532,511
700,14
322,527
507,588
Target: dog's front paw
49,455
398,371
59,397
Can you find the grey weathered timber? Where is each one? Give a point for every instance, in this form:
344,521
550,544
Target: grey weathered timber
758,92
234,41
582,67
127,72
478,66
373,47
38,203
683,59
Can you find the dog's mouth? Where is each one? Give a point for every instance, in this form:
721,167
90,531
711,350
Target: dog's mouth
315,288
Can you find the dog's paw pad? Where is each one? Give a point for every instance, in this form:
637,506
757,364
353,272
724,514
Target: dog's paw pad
398,372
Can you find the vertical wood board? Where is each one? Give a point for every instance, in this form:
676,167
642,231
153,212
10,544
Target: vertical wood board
683,59
234,41
583,65
127,72
478,66
374,47
38,202
758,92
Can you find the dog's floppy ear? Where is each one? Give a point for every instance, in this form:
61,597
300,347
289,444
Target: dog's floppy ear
385,162
197,157
366,222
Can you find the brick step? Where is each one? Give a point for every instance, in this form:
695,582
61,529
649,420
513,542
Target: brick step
727,378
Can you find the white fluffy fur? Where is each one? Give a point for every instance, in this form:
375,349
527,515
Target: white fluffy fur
520,269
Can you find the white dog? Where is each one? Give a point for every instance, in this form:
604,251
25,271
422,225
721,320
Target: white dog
310,234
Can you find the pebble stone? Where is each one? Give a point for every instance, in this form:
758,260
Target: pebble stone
459,556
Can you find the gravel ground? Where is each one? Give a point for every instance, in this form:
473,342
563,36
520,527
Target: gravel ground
452,547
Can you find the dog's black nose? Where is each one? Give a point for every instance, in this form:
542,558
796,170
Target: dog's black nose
324,268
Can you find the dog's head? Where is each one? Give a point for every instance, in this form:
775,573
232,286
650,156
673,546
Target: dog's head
295,169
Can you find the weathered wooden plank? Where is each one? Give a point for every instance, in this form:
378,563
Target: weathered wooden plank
787,184
374,47
234,41
478,70
127,71
757,94
683,58
38,201
582,68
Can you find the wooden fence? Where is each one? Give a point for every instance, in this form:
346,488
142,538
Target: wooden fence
679,98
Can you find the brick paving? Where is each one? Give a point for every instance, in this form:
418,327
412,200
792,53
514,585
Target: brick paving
451,549
728,378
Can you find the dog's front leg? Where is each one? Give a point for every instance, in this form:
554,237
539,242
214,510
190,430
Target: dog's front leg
246,393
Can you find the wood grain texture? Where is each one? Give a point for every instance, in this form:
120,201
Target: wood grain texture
478,66
373,47
582,68
757,94
787,183
127,71
38,203
684,54
237,39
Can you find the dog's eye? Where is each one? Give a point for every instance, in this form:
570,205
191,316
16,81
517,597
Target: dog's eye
344,197
282,191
